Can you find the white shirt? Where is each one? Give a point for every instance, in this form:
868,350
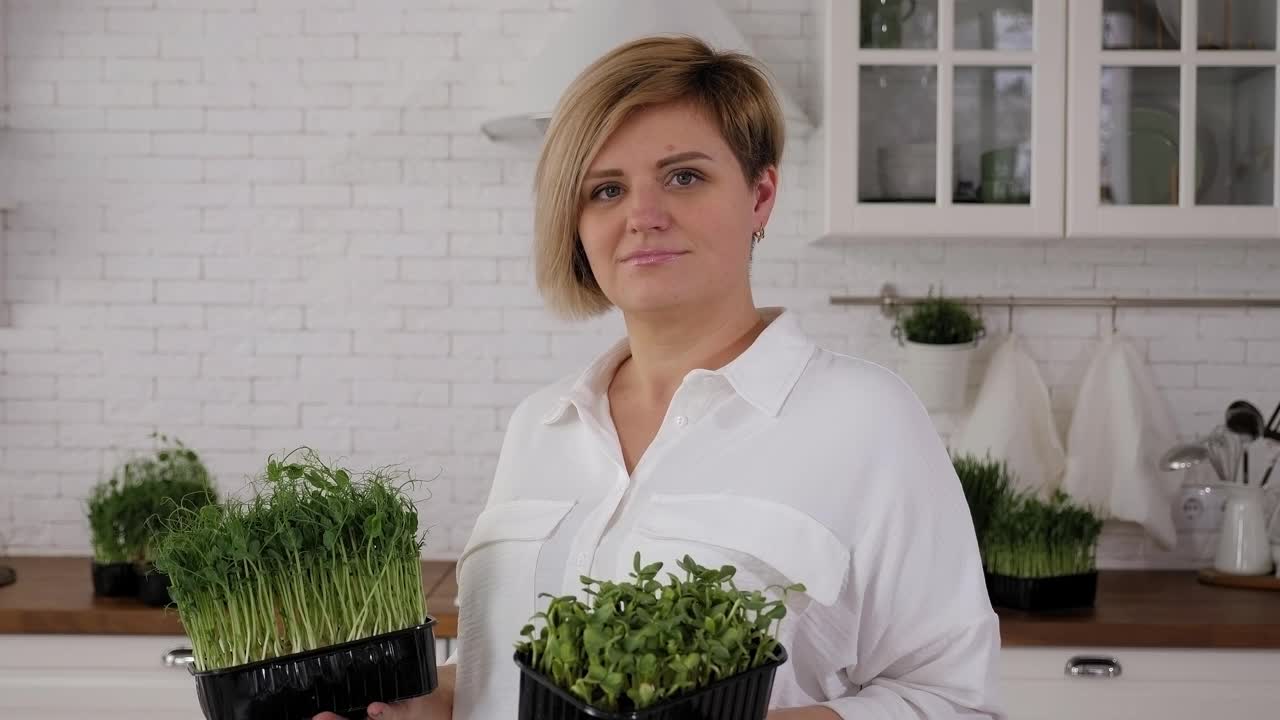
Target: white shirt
792,463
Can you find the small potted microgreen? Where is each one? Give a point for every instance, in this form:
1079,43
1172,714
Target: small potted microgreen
307,596
694,647
1037,553
939,336
116,530
125,511
173,477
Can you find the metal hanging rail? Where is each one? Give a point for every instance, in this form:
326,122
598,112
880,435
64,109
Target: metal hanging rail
891,302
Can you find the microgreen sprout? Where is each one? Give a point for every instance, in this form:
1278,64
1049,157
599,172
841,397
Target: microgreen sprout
1021,534
640,642
126,510
317,557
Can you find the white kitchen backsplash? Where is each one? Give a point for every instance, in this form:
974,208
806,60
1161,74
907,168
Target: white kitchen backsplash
256,224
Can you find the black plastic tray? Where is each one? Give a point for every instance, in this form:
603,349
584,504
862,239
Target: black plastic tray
114,579
153,589
744,696
1062,592
343,679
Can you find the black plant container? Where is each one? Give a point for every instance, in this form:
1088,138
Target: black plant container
1062,592
115,579
153,588
744,696
343,679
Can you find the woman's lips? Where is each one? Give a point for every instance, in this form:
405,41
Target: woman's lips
652,257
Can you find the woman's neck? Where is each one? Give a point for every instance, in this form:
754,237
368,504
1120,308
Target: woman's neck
665,349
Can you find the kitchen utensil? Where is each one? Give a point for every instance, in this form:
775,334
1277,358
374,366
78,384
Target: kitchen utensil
1271,465
1184,455
1243,418
1222,452
1243,545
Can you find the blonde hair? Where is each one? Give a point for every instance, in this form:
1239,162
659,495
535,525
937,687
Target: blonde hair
731,88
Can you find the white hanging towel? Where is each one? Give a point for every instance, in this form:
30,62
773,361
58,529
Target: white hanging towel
1012,420
1122,425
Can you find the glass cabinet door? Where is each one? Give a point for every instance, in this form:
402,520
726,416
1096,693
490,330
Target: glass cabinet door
957,110
1177,99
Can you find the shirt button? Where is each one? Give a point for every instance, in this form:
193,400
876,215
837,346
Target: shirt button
582,559
682,420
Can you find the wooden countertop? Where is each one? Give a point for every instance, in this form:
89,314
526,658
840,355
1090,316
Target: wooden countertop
1158,609
1136,608
55,595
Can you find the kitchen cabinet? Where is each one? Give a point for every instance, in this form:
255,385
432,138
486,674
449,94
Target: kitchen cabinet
1163,684
1172,118
104,677
941,118
1042,118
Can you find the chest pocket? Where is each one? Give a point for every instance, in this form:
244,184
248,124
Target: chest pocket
496,597
770,543
506,543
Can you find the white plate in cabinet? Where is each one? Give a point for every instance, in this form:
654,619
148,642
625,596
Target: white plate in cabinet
1137,684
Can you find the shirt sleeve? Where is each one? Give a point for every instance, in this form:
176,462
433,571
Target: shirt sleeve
926,643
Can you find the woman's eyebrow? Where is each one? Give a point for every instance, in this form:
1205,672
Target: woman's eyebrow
682,157
664,162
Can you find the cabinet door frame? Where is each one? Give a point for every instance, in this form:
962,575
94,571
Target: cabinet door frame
1086,215
845,217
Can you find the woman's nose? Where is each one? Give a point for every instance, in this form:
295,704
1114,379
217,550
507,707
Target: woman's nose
646,212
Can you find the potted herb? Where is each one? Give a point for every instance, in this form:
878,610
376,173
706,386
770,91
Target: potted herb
173,478
305,598
1037,554
115,532
940,336
125,511
695,646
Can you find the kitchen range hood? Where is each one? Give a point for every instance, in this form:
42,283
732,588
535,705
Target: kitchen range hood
594,28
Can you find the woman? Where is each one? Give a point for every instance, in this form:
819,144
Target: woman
715,428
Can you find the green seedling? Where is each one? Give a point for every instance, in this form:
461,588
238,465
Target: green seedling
317,557
641,642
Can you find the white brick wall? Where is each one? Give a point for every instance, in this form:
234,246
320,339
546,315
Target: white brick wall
261,223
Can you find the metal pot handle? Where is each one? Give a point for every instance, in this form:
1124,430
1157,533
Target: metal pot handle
179,657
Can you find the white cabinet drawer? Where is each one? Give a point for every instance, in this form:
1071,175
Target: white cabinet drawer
104,677
1156,684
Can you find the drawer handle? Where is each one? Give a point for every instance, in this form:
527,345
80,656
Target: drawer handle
1091,666
179,657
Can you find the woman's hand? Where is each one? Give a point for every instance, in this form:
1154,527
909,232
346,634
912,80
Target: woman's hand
436,706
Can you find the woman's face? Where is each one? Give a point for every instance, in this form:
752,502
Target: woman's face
668,216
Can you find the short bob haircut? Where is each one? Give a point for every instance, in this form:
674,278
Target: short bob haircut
732,88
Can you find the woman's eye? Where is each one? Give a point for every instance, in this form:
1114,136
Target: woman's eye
684,178
608,192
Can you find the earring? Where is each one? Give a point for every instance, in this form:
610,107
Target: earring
757,236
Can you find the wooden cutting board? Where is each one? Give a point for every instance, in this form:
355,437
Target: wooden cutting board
1209,576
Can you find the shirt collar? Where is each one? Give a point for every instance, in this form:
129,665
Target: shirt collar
763,375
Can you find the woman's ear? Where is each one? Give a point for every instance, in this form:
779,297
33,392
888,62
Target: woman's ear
765,191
